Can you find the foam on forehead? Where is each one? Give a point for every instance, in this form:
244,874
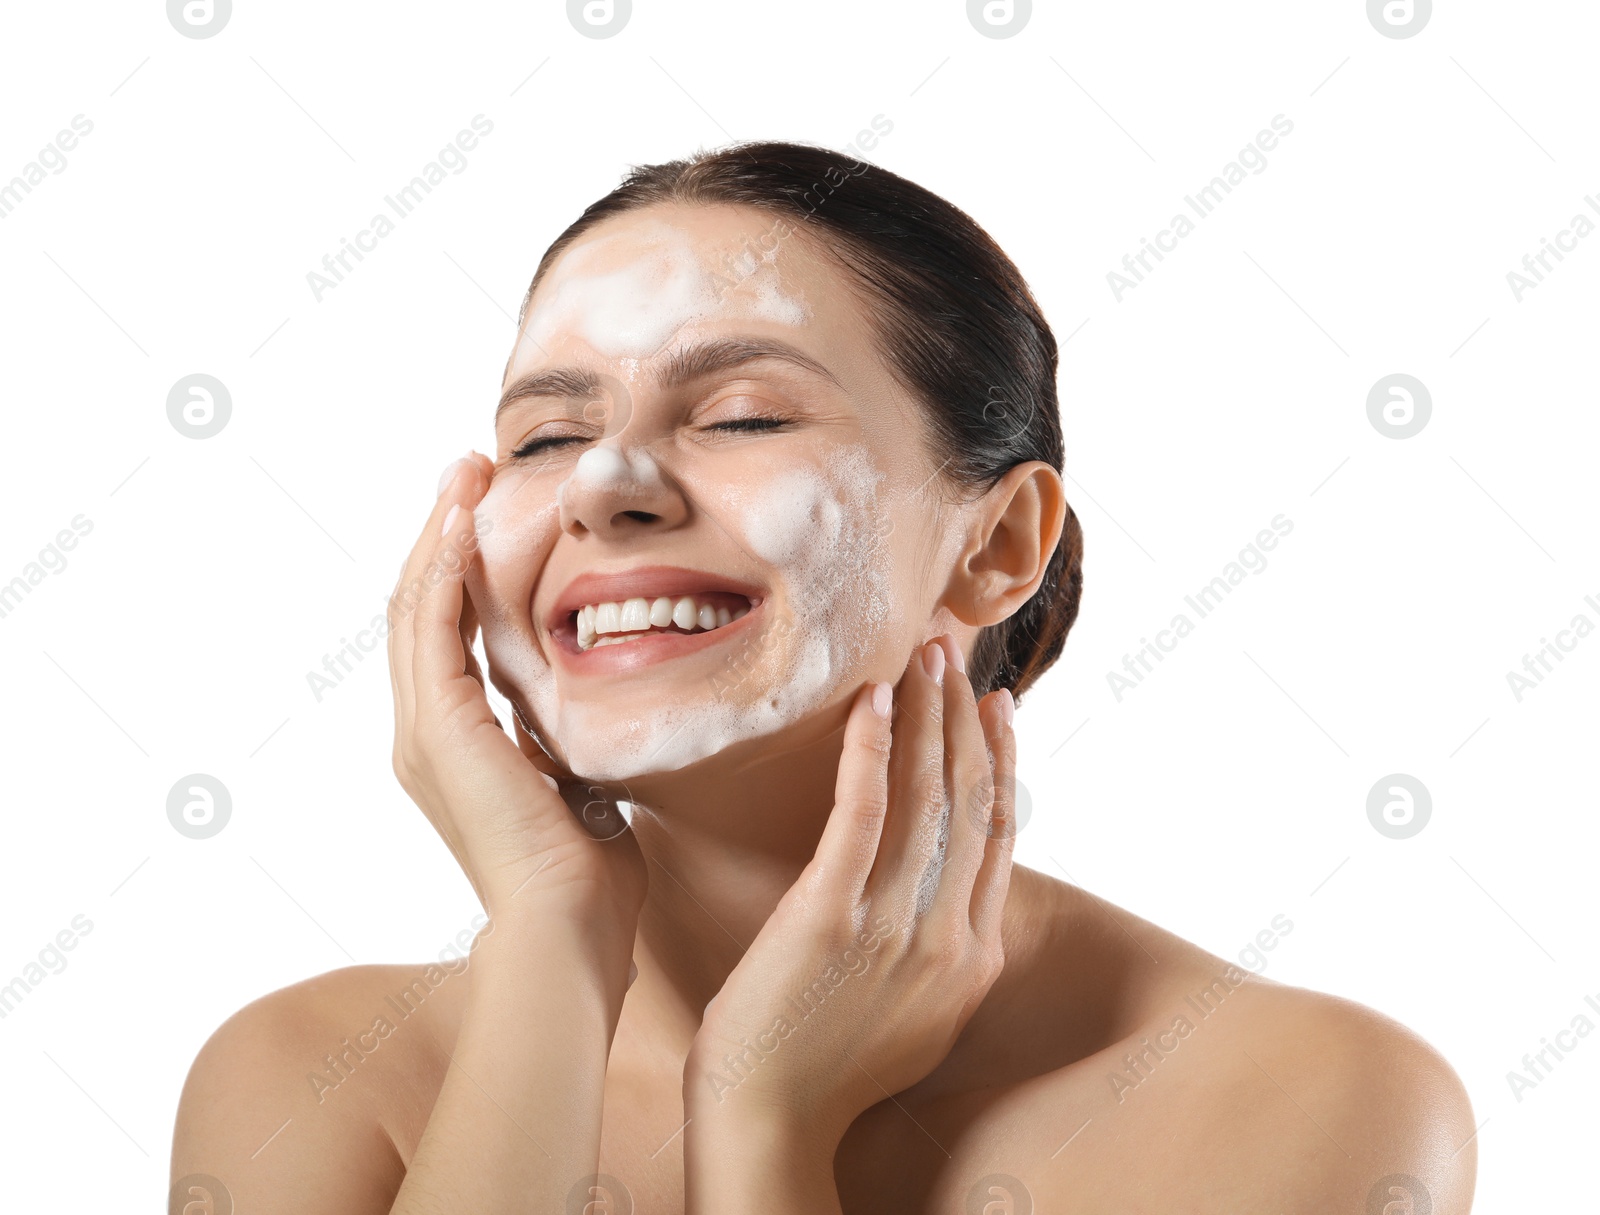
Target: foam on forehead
626,293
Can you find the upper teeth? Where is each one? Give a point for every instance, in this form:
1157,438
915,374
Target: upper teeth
597,622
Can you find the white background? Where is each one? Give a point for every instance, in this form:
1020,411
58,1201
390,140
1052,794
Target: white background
1229,387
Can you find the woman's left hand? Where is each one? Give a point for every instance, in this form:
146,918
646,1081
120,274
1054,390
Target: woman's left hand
873,962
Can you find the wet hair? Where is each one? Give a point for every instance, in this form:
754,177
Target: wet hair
954,320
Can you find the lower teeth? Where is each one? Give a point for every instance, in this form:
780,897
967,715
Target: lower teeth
617,638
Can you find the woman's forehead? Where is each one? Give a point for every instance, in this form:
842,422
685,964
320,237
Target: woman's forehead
641,282
717,231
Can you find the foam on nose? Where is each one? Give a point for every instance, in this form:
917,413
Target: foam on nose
605,466
600,465
645,470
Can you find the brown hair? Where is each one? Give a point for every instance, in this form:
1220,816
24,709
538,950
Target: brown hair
956,323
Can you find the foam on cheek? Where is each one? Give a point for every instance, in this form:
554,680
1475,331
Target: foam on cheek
501,583
819,529
500,591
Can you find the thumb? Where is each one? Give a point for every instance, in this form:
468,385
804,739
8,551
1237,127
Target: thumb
531,745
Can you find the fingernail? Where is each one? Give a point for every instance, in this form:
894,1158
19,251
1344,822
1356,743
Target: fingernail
882,699
450,518
1008,706
449,474
633,972
933,661
957,659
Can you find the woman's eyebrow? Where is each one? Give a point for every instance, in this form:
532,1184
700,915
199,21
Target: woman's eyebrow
678,368
569,382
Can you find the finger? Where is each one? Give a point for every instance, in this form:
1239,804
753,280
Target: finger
916,798
537,753
971,785
994,874
461,478
400,651
438,655
469,615
861,794
422,574
389,650
412,588
469,635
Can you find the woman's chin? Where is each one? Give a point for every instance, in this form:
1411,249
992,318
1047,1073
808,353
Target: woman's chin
692,753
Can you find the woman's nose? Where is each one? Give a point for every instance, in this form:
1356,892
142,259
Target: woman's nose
615,491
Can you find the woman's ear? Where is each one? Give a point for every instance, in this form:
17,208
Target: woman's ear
1018,525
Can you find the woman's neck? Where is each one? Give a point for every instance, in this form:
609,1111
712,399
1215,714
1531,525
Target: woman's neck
724,842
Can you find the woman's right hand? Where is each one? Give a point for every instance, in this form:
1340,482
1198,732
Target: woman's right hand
528,835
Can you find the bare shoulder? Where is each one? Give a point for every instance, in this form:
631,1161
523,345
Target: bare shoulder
1224,1090
1361,1106
308,1098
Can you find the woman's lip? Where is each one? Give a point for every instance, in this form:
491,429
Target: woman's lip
648,649
642,582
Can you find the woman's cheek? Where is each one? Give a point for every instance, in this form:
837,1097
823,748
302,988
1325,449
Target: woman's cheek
515,523
515,532
817,526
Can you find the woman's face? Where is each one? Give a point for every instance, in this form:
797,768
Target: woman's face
696,420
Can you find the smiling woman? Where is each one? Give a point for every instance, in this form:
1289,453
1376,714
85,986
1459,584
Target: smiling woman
773,539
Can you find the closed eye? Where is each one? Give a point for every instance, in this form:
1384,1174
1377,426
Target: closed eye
749,424
752,425
534,446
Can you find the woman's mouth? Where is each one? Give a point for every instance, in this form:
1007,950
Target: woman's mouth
621,622
610,622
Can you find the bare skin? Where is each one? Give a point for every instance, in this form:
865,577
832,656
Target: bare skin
1209,1130
987,1037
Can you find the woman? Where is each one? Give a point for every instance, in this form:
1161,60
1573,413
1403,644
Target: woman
774,534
